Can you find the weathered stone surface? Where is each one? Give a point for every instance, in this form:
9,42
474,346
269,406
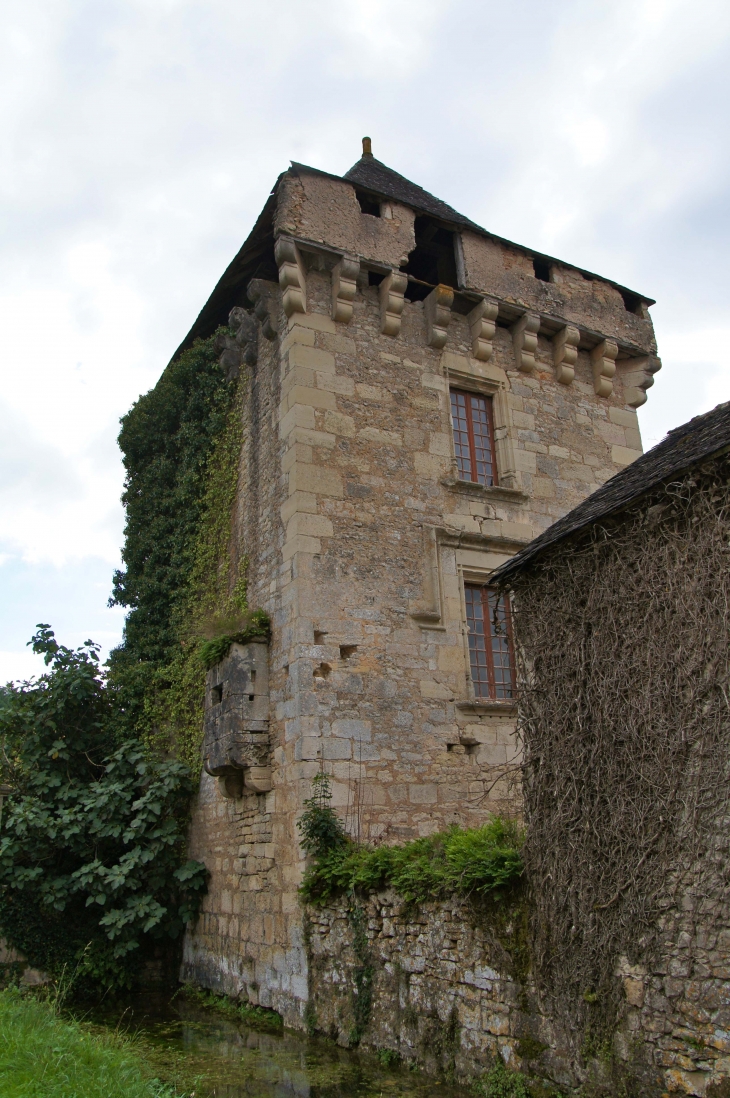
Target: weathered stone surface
359,538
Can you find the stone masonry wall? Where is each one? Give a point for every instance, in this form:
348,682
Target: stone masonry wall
451,989
360,538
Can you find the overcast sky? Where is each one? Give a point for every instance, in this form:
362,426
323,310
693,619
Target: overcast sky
142,137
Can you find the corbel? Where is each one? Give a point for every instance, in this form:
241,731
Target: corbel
482,325
429,612
292,276
638,376
565,353
437,307
344,286
603,358
255,293
392,302
524,337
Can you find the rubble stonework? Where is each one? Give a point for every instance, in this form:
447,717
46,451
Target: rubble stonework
451,990
360,536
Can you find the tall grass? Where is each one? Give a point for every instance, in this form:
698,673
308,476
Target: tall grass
44,1056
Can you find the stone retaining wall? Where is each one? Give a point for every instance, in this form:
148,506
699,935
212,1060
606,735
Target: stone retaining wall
450,988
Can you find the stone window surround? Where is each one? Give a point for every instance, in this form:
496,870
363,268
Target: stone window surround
429,614
474,706
476,379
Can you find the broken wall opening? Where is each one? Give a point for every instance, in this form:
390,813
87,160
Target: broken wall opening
433,260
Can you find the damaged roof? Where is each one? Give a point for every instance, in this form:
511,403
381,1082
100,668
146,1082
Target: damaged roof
254,260
376,176
701,438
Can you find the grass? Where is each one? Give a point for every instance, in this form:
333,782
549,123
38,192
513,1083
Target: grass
466,861
43,1054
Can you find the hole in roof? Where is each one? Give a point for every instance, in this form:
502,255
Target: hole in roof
368,204
541,268
632,302
433,260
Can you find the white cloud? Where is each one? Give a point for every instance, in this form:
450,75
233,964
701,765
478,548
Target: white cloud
142,137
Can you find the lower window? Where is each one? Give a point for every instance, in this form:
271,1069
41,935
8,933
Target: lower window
490,643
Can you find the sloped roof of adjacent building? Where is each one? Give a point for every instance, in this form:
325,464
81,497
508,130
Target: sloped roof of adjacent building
701,438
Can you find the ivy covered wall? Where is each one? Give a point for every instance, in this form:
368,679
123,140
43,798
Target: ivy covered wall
182,580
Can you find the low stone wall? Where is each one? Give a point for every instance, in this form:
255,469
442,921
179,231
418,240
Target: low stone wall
438,984
448,985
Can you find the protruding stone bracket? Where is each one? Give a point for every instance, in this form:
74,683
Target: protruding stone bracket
638,376
437,308
392,302
524,337
565,353
429,612
292,276
255,293
603,358
236,720
482,325
344,286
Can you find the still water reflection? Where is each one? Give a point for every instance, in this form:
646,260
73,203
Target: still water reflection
231,1060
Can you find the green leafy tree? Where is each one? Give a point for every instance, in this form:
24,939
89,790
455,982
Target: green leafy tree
92,843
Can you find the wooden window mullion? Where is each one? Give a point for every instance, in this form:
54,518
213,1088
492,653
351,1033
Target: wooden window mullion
488,634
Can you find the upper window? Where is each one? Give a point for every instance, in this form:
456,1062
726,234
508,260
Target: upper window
490,643
473,423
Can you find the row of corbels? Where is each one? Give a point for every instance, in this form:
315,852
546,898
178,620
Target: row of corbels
637,372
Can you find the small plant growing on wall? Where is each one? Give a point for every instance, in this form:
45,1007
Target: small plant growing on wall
479,861
320,827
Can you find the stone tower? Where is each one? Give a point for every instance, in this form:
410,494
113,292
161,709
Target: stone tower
423,398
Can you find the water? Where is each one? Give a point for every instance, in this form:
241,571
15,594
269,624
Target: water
231,1060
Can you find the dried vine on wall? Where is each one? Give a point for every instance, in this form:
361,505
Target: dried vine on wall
625,659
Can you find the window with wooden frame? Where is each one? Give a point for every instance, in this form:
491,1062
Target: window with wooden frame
491,652
472,420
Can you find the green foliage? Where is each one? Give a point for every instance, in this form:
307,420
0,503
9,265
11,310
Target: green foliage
322,833
483,860
255,1016
257,625
167,440
181,444
41,1054
92,846
502,1083
362,992
389,1057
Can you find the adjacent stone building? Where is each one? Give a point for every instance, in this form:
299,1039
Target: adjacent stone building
423,399
622,624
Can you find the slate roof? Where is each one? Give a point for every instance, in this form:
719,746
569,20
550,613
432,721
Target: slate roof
685,446
370,174
375,176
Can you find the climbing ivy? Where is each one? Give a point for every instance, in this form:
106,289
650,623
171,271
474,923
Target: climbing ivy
181,444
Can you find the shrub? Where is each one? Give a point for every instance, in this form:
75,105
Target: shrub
92,846
321,830
502,1083
483,860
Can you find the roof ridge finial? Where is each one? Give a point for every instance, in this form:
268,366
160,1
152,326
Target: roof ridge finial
367,147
